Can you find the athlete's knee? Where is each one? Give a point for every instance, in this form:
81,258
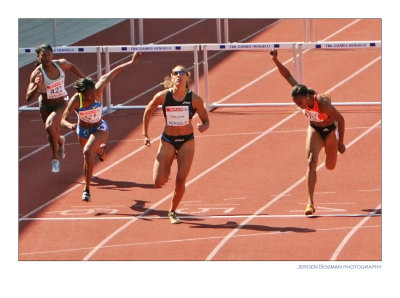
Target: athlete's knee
180,180
49,126
312,160
87,152
159,181
330,165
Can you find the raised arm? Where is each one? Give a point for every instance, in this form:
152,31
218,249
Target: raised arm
282,69
107,77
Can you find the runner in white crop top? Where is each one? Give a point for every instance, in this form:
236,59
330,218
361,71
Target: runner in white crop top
47,82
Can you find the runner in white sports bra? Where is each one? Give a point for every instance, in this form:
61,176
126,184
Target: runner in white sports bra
92,130
47,83
179,106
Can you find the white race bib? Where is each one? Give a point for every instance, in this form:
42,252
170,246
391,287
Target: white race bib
56,90
90,116
177,115
312,116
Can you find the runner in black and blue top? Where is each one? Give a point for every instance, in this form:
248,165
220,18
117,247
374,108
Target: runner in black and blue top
92,130
179,107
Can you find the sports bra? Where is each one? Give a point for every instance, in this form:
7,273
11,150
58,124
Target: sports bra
91,114
53,88
178,113
314,114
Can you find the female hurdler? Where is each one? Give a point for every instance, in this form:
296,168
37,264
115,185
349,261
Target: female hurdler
325,123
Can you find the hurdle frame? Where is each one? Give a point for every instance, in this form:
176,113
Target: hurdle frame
296,47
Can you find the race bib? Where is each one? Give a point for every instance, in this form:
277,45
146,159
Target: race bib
177,115
312,116
56,90
90,116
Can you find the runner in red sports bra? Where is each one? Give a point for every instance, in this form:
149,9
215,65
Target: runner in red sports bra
314,114
325,121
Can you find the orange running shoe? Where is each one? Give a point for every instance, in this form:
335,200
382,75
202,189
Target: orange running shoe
310,209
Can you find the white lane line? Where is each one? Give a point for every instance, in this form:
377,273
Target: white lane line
191,217
290,188
355,74
79,184
352,232
186,240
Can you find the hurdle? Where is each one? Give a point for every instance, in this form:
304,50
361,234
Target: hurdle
149,48
298,48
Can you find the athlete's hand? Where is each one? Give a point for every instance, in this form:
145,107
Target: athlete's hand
73,126
135,57
202,127
38,79
341,148
146,140
274,53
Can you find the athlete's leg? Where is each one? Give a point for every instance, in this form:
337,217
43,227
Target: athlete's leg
184,160
52,126
163,162
331,150
91,146
314,144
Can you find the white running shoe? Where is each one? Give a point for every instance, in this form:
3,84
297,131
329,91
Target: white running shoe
172,217
55,166
61,149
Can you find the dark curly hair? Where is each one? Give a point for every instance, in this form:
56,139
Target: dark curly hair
84,84
301,90
43,47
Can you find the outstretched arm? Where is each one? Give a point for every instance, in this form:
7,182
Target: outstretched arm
282,69
107,77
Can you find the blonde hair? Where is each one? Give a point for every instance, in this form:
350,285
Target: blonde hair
168,83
